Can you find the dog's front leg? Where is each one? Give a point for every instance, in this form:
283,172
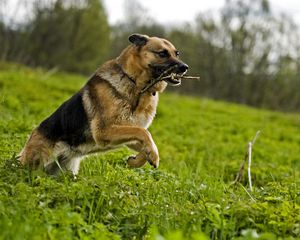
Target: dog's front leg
117,135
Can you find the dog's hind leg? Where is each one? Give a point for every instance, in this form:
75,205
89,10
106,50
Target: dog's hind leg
64,163
72,165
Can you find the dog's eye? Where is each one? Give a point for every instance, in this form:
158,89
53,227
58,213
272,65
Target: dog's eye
163,54
177,53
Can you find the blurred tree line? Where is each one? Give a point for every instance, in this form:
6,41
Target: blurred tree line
245,54
72,35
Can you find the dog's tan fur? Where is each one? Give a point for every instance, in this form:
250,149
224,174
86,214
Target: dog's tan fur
116,111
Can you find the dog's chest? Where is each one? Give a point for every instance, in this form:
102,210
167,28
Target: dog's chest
145,111
142,119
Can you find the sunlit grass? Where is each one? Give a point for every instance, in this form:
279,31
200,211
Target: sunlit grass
201,143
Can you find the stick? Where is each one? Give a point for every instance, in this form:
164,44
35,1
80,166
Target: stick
156,80
248,155
176,76
249,164
162,77
239,175
250,145
255,137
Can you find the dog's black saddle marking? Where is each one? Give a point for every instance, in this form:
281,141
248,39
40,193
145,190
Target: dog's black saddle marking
69,123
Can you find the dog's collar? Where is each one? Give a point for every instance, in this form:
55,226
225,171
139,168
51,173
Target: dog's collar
131,79
125,74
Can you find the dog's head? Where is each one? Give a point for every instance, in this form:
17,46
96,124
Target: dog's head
155,55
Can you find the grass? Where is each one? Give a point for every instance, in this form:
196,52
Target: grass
201,143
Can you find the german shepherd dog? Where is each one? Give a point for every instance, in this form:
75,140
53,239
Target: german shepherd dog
108,112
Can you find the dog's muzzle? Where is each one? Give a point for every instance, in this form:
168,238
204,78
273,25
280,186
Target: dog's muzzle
182,68
179,68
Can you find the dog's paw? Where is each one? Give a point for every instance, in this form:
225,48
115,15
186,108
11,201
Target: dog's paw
153,159
137,161
151,152
152,156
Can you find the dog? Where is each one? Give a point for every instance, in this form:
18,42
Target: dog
108,112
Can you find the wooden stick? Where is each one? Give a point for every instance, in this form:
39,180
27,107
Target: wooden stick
162,77
248,155
156,80
239,175
249,164
179,77
250,145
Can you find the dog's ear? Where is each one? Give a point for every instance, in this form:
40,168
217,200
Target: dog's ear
138,39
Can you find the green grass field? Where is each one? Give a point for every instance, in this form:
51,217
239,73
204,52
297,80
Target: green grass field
202,144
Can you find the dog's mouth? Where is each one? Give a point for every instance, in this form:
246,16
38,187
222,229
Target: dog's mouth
173,82
170,76
174,79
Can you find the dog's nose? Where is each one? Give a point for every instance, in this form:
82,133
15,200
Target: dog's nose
183,67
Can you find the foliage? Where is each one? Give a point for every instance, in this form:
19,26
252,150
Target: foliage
245,55
201,144
72,36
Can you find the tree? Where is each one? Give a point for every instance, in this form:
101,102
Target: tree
72,36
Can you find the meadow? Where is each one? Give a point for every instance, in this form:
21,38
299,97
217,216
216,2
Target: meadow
191,196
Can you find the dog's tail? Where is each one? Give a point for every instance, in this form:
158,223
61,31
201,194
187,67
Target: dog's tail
37,151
